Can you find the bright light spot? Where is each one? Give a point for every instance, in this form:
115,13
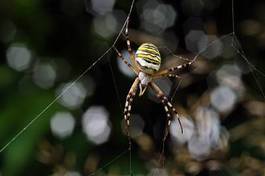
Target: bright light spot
62,124
227,70
73,95
211,46
207,134
72,173
230,75
105,26
157,17
122,66
44,75
198,147
102,6
192,39
208,125
158,171
223,98
95,124
169,15
18,57
7,31
188,130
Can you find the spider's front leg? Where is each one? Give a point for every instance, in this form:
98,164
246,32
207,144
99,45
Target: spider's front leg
128,104
125,62
128,42
170,110
174,71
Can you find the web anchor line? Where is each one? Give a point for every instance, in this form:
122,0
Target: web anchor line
118,97
39,115
110,162
235,45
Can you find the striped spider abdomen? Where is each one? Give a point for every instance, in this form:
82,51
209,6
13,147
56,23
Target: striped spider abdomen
148,58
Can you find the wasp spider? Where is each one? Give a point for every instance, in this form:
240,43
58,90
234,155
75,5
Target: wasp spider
145,63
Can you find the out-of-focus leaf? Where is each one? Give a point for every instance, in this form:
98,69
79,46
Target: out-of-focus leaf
19,111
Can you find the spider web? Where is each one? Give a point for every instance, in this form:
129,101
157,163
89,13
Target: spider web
235,44
97,60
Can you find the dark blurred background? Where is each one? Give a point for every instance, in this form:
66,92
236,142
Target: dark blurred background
47,44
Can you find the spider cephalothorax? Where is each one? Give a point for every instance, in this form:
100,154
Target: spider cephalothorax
145,63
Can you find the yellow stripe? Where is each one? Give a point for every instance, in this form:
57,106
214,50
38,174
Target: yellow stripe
157,58
148,58
149,61
150,47
153,51
146,53
150,51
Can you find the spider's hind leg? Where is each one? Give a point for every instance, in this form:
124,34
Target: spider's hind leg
128,106
170,111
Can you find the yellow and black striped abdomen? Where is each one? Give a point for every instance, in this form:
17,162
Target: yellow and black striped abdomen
148,58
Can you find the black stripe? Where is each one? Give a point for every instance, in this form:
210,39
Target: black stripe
145,66
145,59
151,54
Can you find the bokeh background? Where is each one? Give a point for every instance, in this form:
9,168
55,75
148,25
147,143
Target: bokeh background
47,44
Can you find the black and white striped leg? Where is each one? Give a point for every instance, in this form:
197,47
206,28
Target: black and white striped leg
128,42
127,37
181,68
170,110
128,105
175,71
125,61
164,101
174,76
128,108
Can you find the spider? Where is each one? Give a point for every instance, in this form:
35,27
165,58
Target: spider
145,63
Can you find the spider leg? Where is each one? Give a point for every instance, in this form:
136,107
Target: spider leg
124,60
170,110
127,37
128,104
174,76
174,71
132,56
